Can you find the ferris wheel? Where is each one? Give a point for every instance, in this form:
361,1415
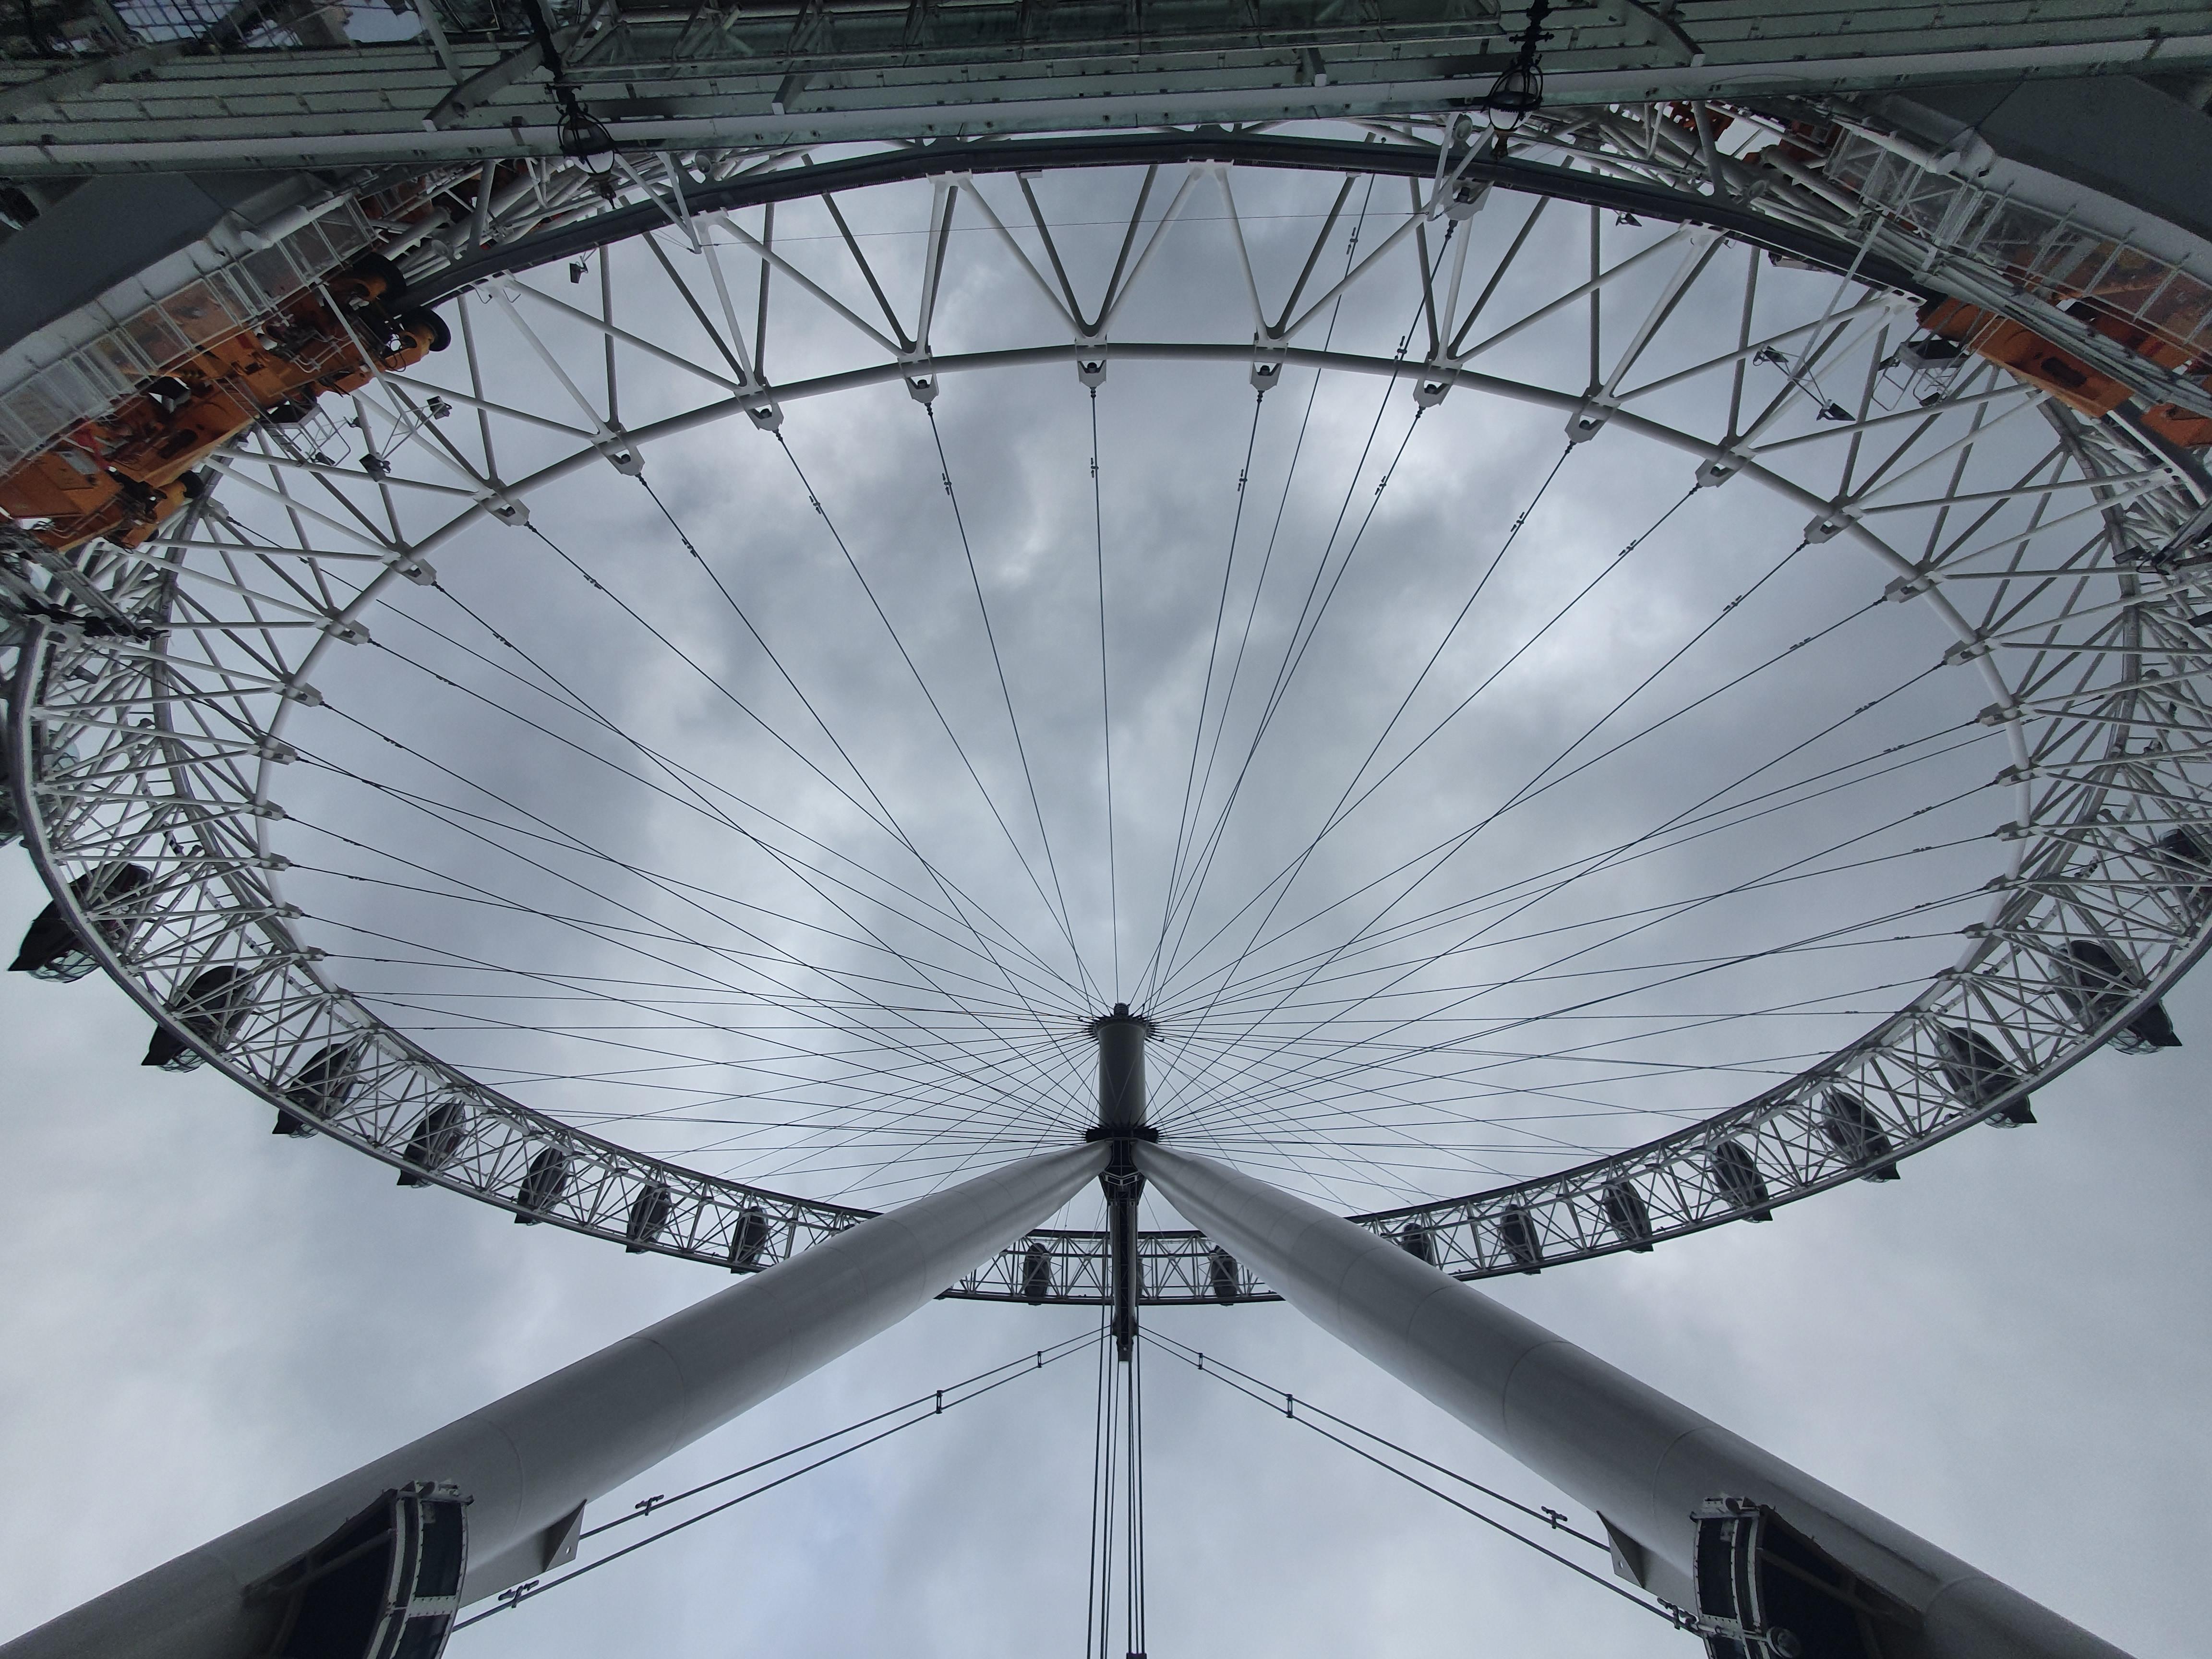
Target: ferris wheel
1502,683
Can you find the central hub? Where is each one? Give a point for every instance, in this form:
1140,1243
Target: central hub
1122,1036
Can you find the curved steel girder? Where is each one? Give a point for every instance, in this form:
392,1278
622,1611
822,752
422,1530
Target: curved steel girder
1274,150
1560,1218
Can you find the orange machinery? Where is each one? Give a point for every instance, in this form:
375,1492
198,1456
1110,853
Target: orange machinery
2075,383
120,475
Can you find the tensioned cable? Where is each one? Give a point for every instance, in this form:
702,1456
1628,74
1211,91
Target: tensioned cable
439,810
827,522
1461,842
913,668
1340,811
1025,1366
983,1088
1105,697
1717,822
1305,628
1204,697
1610,565
1006,694
1541,969
1259,586
1250,1390
1097,1609
888,822
946,890
695,800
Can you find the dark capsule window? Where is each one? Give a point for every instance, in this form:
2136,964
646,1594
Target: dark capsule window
1417,1242
436,1140
1856,1132
1978,1073
1624,1212
748,1240
648,1216
542,1184
51,948
2097,985
1516,1236
1221,1272
209,1006
319,1088
1037,1274
1736,1172
2188,862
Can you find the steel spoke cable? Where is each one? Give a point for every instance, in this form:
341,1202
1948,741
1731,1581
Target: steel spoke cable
1282,882
1826,939
1006,693
1295,652
1303,631
790,1003
1701,900
1719,821
696,785
878,943
1526,789
1204,704
936,878
842,754
438,810
1481,686
983,1087
1522,903
1105,699
941,1402
1266,563
1684,905
1657,1609
914,669
787,1081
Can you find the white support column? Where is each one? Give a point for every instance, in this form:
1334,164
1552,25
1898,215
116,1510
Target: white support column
530,1461
1643,1460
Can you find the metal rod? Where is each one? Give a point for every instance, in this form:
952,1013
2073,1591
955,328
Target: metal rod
1643,1462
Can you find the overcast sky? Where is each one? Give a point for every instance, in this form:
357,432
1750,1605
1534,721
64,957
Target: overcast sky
2003,1351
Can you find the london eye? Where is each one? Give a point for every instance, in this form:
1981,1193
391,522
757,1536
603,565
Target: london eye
1193,708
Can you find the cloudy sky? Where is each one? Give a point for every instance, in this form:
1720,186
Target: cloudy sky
2000,1351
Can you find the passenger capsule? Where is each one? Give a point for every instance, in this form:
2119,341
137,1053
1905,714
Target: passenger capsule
1037,1274
2098,985
52,951
1624,1212
1516,1236
648,1215
1737,1173
319,1088
437,1137
1857,1136
748,1239
1979,1073
2188,862
1222,1274
542,1185
1418,1241
209,1006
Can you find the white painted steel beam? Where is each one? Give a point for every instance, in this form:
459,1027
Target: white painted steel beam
1642,1461
530,1461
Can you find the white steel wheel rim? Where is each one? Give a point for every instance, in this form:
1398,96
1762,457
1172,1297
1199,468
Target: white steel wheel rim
2106,769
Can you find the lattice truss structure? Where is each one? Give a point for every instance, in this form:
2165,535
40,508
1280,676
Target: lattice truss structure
357,82
152,688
